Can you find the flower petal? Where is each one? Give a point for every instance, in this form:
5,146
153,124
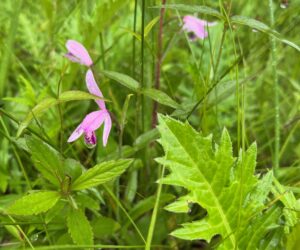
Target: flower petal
76,134
93,88
90,139
196,25
72,58
79,51
107,128
93,120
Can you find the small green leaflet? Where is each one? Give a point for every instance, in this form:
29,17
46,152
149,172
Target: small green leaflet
79,227
34,203
156,95
101,173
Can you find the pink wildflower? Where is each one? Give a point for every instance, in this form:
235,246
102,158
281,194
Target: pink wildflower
93,120
78,53
196,27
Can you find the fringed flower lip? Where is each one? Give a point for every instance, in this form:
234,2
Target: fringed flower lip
78,53
95,119
196,26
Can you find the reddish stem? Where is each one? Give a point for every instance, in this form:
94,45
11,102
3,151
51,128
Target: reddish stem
158,62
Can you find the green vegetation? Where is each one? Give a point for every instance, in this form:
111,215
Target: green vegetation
203,150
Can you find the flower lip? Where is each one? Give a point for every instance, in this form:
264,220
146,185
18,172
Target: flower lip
78,53
196,26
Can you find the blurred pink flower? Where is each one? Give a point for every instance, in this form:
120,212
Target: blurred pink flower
196,26
78,53
93,120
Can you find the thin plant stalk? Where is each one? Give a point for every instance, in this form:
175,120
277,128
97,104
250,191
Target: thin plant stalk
60,111
22,232
142,64
158,62
102,50
276,92
7,135
124,211
7,52
154,214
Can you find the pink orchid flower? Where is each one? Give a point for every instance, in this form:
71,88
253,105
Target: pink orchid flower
94,119
196,27
78,53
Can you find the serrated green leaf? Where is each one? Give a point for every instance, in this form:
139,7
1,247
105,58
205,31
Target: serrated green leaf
46,160
79,227
34,203
101,173
219,183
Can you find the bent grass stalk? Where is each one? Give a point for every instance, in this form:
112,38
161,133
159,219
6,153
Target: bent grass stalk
154,214
276,93
124,211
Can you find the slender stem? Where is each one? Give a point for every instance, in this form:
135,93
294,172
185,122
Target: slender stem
60,111
124,211
21,232
7,135
158,62
133,38
276,92
11,117
154,214
142,62
215,82
102,51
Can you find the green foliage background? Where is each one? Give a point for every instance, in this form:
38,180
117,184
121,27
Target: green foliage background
230,72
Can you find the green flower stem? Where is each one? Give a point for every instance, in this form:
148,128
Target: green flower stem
276,158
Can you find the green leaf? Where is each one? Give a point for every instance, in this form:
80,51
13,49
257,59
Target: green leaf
46,159
254,24
76,95
146,205
38,110
79,227
160,97
132,84
150,25
43,106
34,203
123,79
223,185
293,240
104,226
194,9
101,173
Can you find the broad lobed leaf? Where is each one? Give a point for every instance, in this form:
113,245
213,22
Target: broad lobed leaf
223,185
